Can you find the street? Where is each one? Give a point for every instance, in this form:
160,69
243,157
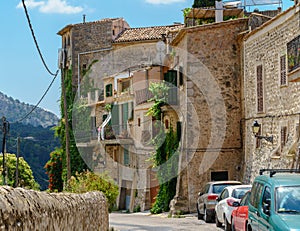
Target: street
145,221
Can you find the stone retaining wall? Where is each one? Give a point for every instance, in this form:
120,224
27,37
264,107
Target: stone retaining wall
30,210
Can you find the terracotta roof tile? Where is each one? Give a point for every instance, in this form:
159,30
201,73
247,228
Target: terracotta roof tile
145,33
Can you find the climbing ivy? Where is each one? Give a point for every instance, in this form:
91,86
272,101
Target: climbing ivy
165,157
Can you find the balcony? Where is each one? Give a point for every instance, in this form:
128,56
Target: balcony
142,96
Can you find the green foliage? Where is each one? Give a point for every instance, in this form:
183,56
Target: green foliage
25,177
77,163
88,181
35,146
166,154
203,3
159,91
186,11
166,158
54,170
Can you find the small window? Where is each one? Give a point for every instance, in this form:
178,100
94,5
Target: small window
180,76
260,90
139,122
283,137
167,124
221,175
283,79
108,90
126,156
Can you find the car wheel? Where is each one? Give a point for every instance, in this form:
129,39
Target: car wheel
227,225
206,217
200,216
218,223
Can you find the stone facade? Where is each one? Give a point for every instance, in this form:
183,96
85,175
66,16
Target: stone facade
210,57
279,118
28,210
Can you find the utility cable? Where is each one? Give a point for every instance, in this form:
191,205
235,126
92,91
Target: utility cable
35,40
45,93
43,61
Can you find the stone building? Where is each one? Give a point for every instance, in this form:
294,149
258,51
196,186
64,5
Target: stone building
271,93
111,74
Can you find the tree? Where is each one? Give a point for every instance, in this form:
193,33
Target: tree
25,176
54,170
203,3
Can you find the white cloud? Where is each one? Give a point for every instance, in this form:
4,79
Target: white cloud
31,4
164,1
52,6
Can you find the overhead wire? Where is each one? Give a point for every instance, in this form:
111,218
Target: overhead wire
43,61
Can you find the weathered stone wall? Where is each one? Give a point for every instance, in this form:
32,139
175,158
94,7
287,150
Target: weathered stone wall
264,47
212,66
28,210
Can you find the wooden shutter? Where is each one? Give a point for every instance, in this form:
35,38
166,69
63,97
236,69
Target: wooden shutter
283,135
260,91
283,80
115,119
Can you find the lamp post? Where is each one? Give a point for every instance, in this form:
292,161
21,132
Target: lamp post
255,130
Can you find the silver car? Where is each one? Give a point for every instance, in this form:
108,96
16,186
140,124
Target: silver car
207,199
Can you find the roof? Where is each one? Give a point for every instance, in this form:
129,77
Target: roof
282,179
145,33
69,27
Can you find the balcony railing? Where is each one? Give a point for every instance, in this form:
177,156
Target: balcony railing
142,96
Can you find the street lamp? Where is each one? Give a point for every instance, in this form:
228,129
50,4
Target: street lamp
255,130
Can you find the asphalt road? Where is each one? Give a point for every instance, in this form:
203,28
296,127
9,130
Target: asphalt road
145,221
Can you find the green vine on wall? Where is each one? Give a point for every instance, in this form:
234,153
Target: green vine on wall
165,157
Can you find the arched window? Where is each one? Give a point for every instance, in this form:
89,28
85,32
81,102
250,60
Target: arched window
167,124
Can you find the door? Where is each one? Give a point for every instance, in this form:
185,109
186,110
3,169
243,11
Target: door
264,210
253,208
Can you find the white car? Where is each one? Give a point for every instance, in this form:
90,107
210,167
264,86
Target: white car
225,205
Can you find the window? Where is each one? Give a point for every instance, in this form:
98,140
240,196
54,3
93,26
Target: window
259,87
108,90
167,124
293,54
283,137
255,194
139,122
221,175
126,156
266,197
283,79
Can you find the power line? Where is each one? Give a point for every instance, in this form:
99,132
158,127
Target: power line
35,40
43,61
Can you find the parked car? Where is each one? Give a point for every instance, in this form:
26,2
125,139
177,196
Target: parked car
275,201
207,199
239,216
225,206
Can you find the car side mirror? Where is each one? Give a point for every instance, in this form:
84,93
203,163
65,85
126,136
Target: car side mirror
236,204
266,207
200,194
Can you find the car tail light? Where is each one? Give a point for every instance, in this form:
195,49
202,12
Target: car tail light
230,202
212,197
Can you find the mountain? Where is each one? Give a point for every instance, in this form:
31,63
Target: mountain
14,110
36,135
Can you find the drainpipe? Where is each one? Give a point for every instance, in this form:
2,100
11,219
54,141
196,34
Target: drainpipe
78,65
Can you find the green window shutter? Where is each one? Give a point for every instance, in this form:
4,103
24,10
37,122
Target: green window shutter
115,119
108,90
126,156
124,115
171,78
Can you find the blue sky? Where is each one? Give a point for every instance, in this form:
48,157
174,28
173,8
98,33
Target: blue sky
22,74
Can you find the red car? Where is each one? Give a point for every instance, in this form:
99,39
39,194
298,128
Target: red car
239,216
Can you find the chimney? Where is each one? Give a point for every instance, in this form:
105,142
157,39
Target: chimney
219,11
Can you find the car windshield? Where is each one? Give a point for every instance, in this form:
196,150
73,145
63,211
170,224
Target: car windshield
238,193
288,199
217,188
